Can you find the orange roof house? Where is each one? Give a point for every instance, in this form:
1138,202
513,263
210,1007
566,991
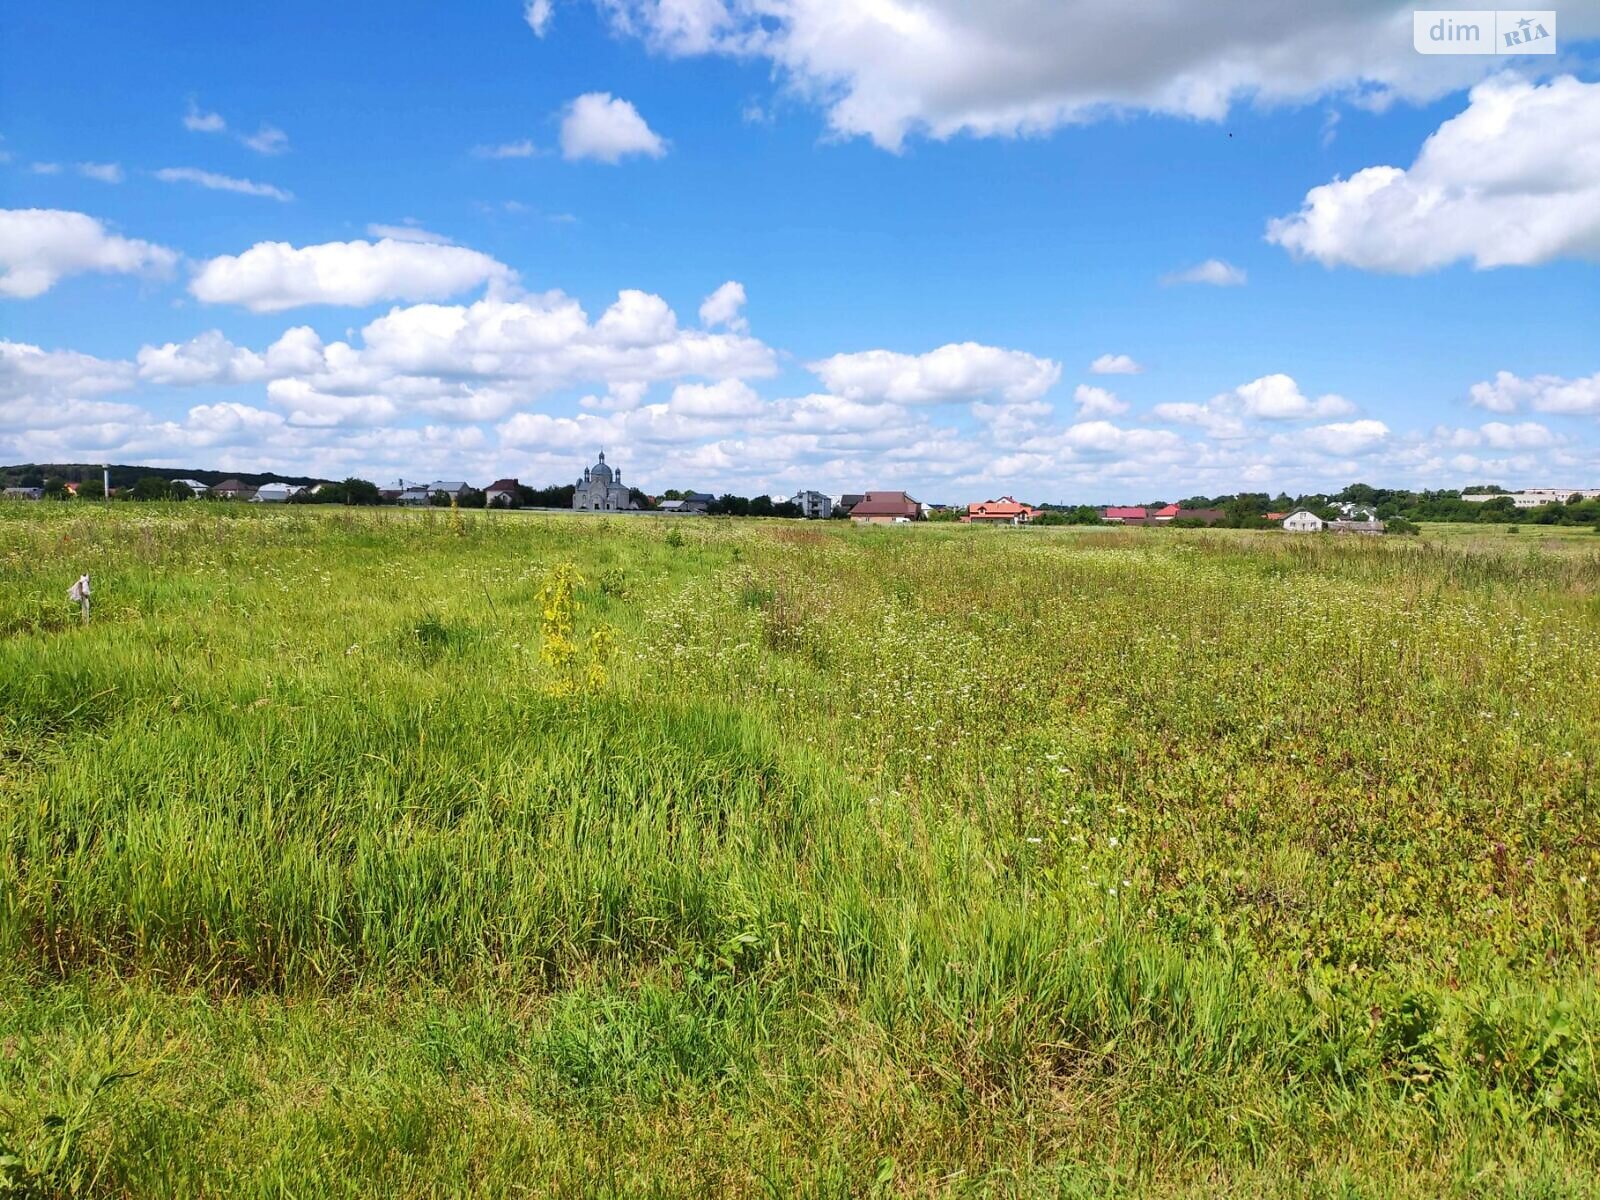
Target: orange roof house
1004,511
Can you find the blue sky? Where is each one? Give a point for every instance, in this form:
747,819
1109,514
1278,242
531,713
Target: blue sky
391,240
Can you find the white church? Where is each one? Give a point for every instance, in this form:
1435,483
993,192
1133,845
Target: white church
601,489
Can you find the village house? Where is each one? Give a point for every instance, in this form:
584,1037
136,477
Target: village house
502,493
232,489
415,495
845,503
24,493
1207,516
1004,511
885,508
1165,514
194,485
1122,515
455,489
1303,521
1365,525
690,504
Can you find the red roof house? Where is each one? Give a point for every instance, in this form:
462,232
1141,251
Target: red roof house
1124,516
1165,513
1004,511
885,508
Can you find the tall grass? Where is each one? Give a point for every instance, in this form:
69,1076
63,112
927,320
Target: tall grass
874,862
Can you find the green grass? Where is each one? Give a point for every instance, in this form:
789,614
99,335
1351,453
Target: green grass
883,861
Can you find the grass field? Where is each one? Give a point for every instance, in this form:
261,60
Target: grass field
916,861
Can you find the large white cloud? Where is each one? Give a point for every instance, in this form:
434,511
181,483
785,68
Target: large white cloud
608,129
1514,180
888,68
41,246
1278,398
210,358
52,389
1543,393
959,371
1344,438
1498,435
272,276
472,362
1274,397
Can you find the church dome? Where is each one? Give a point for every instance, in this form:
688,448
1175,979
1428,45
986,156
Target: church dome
600,470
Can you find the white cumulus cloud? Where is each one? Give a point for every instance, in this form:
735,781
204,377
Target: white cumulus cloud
890,69
1543,393
52,389
1097,402
1270,398
1115,364
1278,398
1345,438
723,307
606,128
1514,180
40,246
959,371
271,276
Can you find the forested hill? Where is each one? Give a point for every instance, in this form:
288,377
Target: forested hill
122,476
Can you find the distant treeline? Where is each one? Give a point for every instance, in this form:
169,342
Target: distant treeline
1241,510
1393,504
122,476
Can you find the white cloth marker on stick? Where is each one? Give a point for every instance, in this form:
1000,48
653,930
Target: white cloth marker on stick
78,594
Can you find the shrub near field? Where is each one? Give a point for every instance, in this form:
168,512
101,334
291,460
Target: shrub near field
830,861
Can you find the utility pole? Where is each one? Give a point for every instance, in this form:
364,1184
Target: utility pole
105,481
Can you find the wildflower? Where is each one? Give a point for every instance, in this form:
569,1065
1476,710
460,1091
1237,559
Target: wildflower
1034,841
1112,842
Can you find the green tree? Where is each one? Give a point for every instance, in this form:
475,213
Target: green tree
152,487
359,491
55,488
91,489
